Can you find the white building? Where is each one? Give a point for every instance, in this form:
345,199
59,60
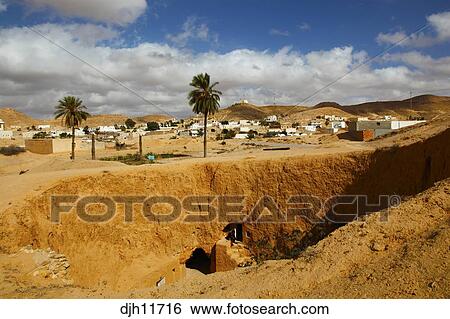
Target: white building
334,118
108,129
310,128
241,136
6,134
195,133
315,123
291,131
230,126
79,132
395,125
43,127
29,135
338,124
272,118
244,123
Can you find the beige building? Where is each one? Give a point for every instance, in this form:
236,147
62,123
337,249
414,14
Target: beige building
50,146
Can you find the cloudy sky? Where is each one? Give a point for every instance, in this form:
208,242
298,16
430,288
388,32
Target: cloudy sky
264,51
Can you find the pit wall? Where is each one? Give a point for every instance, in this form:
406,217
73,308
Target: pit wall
107,253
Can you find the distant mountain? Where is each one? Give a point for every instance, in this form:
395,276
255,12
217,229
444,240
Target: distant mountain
152,118
313,112
327,104
427,106
245,111
13,117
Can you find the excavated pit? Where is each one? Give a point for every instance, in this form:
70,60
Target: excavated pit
126,255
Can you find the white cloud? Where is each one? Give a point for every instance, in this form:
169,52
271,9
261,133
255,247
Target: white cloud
279,32
110,11
34,74
304,26
439,23
191,30
3,6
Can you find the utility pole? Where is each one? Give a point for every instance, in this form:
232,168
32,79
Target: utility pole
93,146
410,99
140,145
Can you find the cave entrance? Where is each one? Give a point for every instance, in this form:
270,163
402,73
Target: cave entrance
234,230
200,261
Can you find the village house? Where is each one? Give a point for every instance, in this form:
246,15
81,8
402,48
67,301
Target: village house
3,133
107,129
291,131
43,127
364,129
271,118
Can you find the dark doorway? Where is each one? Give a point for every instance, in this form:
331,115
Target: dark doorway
239,236
234,229
199,260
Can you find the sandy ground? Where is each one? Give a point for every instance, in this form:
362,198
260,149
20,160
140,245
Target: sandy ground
406,257
41,171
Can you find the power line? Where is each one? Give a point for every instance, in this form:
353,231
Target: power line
359,66
411,92
123,85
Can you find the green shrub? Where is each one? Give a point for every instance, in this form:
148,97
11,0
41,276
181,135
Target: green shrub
40,135
11,150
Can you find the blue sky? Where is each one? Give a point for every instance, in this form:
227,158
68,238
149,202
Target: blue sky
304,25
302,38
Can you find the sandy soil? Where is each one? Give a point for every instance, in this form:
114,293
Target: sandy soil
406,257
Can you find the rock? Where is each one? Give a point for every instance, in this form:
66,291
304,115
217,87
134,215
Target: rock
375,246
27,249
432,285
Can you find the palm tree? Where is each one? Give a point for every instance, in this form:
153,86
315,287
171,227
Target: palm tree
204,99
72,113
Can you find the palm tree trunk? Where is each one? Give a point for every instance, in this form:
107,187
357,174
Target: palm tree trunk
73,143
204,134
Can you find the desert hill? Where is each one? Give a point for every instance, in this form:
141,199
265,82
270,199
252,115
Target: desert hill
119,119
254,112
314,112
241,111
13,117
282,110
427,106
152,118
